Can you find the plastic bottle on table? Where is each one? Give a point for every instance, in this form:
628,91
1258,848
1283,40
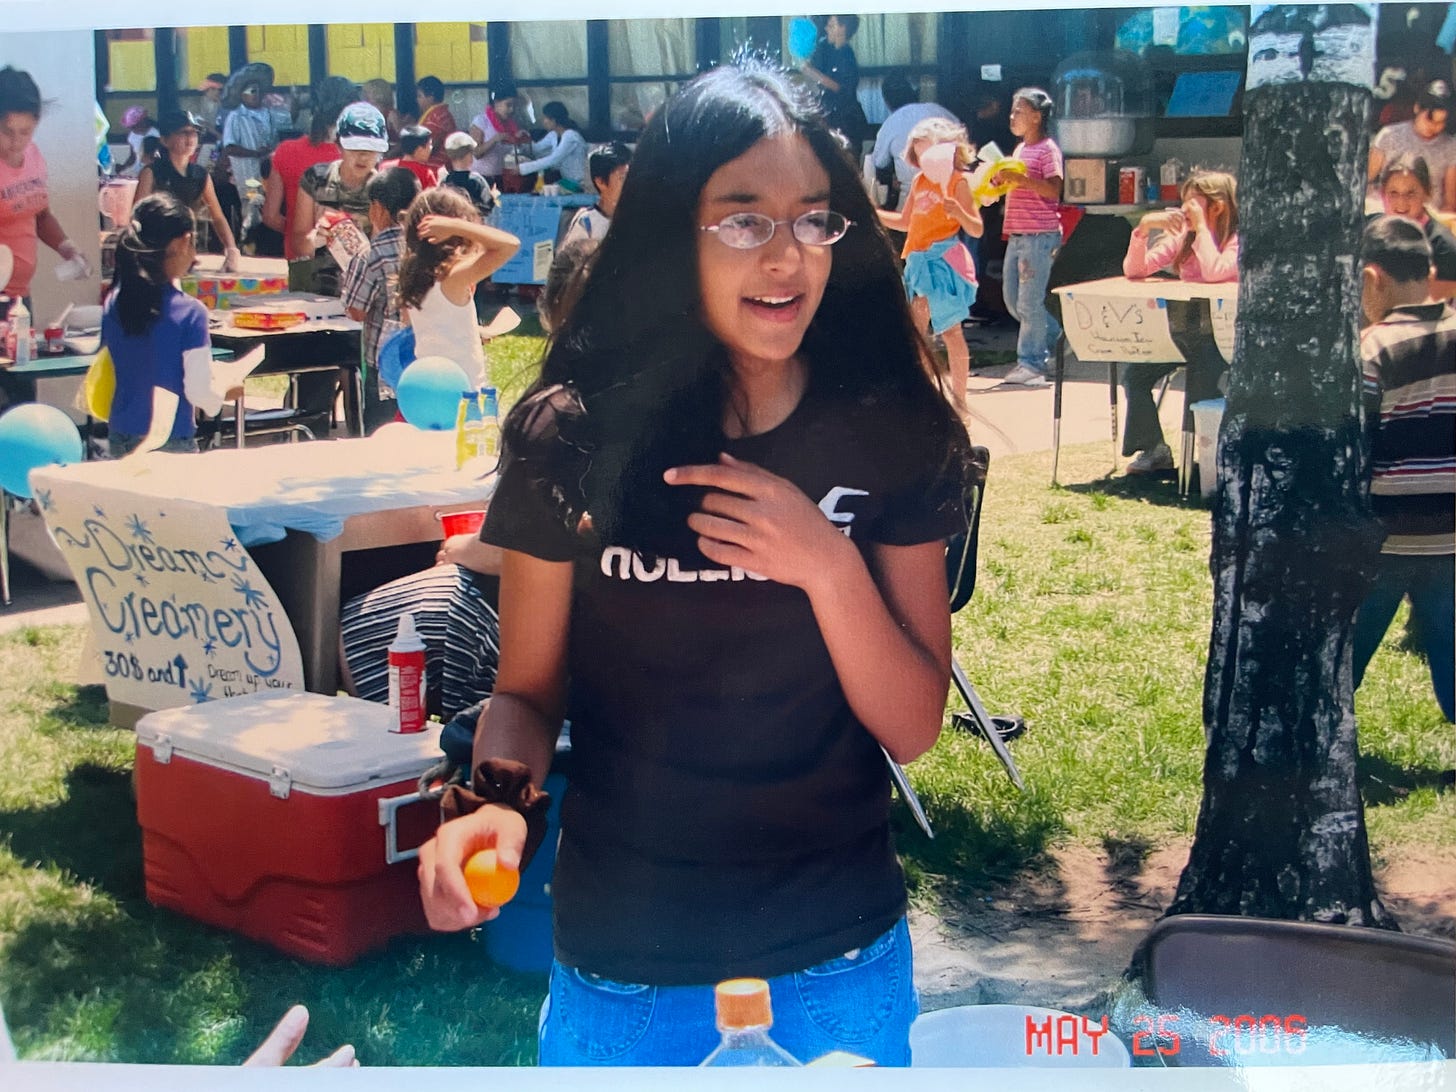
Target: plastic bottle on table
19,333
407,677
744,1017
490,423
469,428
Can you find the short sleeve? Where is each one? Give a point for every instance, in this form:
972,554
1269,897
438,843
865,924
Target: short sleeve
194,333
926,492
523,516
313,178
358,285
1053,166
929,508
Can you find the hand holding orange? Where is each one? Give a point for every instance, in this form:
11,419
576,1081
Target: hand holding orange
490,883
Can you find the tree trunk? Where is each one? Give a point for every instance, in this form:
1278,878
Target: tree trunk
1281,830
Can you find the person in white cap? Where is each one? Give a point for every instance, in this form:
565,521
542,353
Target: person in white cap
340,186
459,155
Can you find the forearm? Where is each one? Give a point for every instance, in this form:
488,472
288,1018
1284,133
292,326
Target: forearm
48,229
513,728
1448,200
894,683
200,383
895,221
1047,188
273,202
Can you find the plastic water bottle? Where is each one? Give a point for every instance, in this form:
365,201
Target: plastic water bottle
744,1017
407,677
490,423
469,428
20,333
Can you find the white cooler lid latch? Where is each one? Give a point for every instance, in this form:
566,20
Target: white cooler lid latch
280,782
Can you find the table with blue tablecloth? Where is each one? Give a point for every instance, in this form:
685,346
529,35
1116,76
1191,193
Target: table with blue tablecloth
538,220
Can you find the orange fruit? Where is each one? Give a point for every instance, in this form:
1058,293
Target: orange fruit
490,883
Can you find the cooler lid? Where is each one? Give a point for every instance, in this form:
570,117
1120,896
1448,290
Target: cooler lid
323,743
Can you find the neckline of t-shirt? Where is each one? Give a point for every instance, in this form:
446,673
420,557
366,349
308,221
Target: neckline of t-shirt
737,443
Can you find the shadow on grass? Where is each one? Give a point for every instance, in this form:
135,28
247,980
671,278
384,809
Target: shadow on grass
153,987
972,848
1159,489
90,833
1383,783
82,708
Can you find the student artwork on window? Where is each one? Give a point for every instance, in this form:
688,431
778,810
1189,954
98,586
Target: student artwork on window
179,611
1295,43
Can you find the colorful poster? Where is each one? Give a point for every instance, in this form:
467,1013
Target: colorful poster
179,611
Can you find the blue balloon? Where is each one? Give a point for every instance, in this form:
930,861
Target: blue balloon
31,435
429,392
803,37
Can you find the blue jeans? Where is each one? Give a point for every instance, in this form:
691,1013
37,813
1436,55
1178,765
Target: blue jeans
1431,584
862,1002
1025,272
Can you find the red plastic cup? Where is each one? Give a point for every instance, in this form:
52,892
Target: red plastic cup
461,523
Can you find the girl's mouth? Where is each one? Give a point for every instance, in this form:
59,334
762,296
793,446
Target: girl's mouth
775,308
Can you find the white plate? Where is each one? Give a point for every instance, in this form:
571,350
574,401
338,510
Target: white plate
83,346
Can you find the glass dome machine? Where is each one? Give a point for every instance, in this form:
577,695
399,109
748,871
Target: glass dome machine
1102,105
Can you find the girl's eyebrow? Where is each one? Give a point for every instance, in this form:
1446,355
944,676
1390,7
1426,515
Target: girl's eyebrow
747,197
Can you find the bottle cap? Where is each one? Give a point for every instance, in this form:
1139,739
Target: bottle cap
743,1003
406,639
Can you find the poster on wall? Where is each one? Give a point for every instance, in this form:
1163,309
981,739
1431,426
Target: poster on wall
178,609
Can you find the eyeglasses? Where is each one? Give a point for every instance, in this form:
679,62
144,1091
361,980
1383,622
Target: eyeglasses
747,230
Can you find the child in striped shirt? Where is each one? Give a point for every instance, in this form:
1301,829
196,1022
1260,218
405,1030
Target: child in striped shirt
1033,232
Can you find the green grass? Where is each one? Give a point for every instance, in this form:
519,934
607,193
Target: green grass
1090,619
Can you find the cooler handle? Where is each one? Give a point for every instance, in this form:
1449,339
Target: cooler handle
388,813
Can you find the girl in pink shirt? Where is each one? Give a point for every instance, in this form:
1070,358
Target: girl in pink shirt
1199,242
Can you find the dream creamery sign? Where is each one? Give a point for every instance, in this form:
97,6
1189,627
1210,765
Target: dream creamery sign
179,611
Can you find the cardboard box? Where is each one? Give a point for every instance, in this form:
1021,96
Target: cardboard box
262,814
1086,182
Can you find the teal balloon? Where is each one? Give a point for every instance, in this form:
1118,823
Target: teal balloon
803,37
429,393
33,435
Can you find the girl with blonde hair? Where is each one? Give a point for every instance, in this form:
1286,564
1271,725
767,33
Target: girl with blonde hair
940,276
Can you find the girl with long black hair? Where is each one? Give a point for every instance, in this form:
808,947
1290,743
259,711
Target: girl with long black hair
157,335
723,514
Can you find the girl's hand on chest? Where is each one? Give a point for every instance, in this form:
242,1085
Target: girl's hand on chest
758,521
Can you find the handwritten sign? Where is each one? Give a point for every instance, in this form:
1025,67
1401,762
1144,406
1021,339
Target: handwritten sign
179,611
1118,328
1224,314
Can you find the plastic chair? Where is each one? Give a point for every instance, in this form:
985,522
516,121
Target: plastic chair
1013,1037
1252,991
960,565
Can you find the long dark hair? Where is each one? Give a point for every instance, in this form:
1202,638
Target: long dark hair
141,260
419,265
559,114
652,379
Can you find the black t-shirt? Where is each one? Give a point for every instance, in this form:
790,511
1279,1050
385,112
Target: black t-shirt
474,186
841,108
727,815
187,186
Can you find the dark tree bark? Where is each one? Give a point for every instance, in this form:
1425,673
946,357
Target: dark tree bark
1281,831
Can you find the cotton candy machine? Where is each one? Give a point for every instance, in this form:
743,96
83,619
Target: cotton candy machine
1102,105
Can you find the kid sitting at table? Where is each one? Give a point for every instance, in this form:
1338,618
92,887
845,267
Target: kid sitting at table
370,283
1199,243
448,251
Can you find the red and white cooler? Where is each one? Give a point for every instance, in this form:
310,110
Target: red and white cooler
279,816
